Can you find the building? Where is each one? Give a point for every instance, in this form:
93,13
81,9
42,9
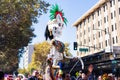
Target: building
27,55
98,36
98,29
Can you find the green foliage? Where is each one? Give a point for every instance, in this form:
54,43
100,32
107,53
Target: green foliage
16,19
39,56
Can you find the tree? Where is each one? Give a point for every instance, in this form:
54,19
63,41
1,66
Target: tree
16,19
39,56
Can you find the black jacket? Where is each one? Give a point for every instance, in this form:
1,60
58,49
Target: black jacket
33,78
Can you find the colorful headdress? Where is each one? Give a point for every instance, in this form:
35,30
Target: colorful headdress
54,11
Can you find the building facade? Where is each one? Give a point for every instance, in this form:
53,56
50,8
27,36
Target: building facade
98,29
27,56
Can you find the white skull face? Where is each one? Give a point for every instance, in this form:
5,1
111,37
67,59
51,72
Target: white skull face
55,26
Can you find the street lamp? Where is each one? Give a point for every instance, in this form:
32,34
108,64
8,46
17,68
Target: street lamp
110,43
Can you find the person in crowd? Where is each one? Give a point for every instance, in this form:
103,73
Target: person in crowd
82,77
99,77
59,75
90,74
49,71
67,77
1,75
34,76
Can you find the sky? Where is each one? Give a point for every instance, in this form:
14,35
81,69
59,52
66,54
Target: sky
73,9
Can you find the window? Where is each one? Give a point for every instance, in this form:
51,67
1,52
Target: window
104,8
93,36
89,39
111,15
88,19
119,11
104,19
98,12
108,30
114,14
99,34
94,47
93,26
113,40
112,28
106,42
111,3
93,16
114,2
115,27
107,18
105,31
98,23
99,45
116,39
84,22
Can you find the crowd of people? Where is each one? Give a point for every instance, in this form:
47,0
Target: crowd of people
60,75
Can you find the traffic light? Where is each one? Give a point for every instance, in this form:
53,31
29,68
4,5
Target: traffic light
75,45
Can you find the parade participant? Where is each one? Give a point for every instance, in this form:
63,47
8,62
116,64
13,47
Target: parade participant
1,75
34,76
49,71
90,74
67,76
59,75
52,32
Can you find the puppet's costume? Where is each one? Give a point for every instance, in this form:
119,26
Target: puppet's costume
53,31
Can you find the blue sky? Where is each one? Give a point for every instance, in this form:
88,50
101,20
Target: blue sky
73,9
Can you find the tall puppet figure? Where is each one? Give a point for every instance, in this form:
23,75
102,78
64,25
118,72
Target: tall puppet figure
53,31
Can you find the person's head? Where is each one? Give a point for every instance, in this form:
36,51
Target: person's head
83,75
90,68
35,73
49,62
67,77
1,75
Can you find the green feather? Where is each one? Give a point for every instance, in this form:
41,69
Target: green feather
55,8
